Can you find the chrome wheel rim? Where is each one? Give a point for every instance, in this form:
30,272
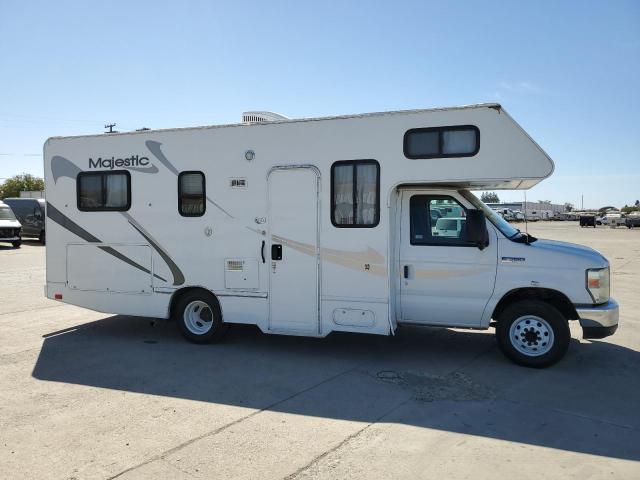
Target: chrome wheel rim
531,335
198,317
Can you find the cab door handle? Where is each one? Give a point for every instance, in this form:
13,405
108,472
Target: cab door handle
406,271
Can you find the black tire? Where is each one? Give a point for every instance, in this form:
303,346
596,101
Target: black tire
16,244
531,334
42,238
197,310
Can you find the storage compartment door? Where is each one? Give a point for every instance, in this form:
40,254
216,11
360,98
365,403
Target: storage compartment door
110,268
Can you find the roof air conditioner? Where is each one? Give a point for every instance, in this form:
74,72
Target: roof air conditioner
255,117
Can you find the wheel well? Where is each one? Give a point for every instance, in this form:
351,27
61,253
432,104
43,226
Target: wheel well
178,294
553,297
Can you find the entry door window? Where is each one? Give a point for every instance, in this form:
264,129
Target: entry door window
437,220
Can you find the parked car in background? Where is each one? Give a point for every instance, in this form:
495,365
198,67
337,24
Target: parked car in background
633,220
518,216
448,227
31,213
588,221
9,226
505,213
613,219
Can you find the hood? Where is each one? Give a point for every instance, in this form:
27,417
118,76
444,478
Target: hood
10,224
570,253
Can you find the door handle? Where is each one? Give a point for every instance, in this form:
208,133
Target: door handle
406,271
262,252
276,252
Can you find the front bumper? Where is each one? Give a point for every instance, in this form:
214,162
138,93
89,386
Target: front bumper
599,321
10,239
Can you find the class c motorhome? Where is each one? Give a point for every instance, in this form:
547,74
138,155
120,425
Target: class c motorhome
359,223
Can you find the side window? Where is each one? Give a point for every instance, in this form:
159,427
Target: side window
104,191
355,194
436,220
191,194
442,142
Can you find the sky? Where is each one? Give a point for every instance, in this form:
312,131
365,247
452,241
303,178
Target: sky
568,72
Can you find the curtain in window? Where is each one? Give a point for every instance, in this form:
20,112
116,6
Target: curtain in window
366,194
458,141
116,191
343,194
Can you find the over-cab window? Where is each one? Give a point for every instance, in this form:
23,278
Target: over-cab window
442,142
104,191
191,194
436,220
355,193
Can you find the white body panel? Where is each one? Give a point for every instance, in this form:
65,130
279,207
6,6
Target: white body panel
293,280
84,260
330,278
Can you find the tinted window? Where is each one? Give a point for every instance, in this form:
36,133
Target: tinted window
104,191
436,220
19,207
442,142
191,194
355,193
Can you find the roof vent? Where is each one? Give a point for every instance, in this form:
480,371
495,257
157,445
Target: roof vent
255,117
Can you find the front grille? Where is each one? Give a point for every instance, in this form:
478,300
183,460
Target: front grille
9,232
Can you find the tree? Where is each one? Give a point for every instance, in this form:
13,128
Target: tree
568,207
637,203
629,209
19,183
490,197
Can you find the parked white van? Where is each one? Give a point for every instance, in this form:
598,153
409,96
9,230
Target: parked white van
10,227
309,226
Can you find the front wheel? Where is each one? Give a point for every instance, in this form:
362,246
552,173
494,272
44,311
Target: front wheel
533,333
16,244
199,317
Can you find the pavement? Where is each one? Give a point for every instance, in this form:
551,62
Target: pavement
89,395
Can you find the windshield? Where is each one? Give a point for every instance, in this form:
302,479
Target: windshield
501,224
6,214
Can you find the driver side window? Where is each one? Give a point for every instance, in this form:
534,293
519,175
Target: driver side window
437,220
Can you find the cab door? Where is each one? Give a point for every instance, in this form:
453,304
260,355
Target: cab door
444,279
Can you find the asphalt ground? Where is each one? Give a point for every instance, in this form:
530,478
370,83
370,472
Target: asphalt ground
89,395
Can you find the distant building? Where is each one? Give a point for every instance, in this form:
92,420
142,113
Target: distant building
532,210
32,194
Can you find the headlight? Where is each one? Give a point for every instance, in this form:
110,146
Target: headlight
598,284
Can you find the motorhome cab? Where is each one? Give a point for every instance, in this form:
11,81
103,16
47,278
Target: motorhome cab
358,223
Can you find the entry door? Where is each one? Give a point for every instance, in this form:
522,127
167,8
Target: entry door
293,224
444,281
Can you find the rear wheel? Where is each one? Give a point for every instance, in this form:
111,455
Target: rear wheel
533,333
199,317
42,238
16,244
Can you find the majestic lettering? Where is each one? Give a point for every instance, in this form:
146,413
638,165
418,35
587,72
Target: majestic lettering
113,162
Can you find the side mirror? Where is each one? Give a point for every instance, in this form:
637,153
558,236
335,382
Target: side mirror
476,229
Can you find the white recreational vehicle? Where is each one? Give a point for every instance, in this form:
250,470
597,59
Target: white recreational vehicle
357,223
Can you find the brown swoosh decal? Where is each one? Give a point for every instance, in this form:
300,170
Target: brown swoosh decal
344,258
